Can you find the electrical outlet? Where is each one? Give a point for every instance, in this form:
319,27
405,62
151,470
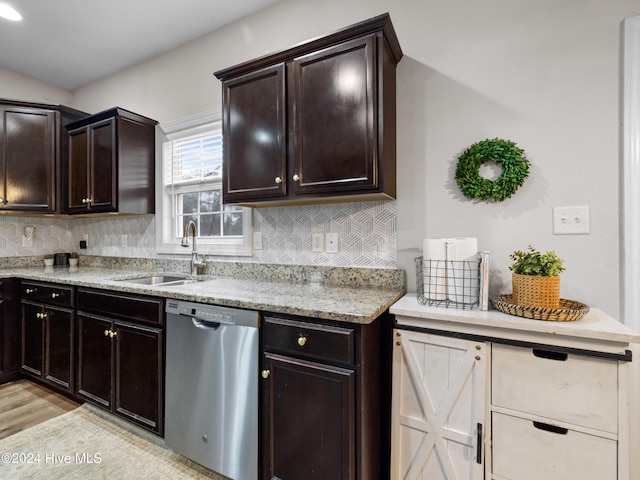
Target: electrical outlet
571,220
331,242
317,242
257,240
123,240
85,237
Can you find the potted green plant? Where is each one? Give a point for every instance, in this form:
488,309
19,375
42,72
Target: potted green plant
536,278
73,259
49,259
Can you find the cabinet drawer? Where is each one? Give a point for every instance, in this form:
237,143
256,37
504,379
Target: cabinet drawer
309,340
524,450
121,306
49,293
571,388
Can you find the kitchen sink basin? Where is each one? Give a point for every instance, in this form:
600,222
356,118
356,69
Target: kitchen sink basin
159,280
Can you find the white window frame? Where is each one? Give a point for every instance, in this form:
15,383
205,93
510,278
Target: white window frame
165,229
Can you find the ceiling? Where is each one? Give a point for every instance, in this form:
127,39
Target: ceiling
70,43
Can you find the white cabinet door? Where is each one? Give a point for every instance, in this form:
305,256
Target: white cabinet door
438,407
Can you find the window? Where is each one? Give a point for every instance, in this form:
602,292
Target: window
189,189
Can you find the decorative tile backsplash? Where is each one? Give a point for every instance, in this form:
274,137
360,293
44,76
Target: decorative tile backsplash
366,231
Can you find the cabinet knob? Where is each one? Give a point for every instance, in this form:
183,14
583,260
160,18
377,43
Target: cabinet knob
30,290
55,295
106,333
278,180
265,373
296,177
84,200
302,340
112,334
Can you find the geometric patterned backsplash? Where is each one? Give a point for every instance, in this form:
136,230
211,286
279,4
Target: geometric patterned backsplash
366,230
367,235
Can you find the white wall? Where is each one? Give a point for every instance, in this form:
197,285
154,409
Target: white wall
544,74
15,86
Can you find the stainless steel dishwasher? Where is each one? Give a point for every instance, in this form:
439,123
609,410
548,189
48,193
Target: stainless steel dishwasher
211,387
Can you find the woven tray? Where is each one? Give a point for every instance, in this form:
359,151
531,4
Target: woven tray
569,310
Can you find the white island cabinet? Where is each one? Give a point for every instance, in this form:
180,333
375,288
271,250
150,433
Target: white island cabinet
482,394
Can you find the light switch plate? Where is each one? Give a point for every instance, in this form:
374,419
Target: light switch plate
317,242
571,220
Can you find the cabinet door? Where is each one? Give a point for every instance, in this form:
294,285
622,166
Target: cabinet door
29,159
438,407
78,189
254,129
32,339
92,168
309,414
59,348
139,366
95,362
334,123
9,330
103,182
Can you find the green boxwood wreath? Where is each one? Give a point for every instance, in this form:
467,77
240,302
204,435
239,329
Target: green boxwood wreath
515,169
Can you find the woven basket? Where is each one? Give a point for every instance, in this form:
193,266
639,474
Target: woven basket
536,291
569,311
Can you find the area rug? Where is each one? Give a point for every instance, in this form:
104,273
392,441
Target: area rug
87,443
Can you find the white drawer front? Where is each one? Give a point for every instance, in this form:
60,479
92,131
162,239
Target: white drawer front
522,451
574,389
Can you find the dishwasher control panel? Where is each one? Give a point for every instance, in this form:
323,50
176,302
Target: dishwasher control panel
213,313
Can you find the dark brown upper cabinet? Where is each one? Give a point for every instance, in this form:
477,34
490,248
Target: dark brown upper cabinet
33,152
111,164
315,123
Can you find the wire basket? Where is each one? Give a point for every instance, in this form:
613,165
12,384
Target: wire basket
448,283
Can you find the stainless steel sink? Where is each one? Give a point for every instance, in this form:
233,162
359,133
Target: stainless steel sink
159,280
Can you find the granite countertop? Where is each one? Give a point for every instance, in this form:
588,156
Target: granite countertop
349,303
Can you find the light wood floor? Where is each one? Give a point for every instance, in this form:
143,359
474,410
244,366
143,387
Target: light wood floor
24,404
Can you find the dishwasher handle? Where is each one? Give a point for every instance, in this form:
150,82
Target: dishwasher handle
205,324
202,323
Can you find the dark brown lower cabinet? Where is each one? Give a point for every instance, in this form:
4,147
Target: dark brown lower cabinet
32,340
323,406
47,344
48,334
59,351
120,363
138,369
95,360
9,330
310,405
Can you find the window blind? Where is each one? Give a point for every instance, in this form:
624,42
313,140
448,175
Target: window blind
193,160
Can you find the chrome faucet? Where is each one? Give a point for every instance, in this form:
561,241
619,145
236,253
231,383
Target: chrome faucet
195,260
